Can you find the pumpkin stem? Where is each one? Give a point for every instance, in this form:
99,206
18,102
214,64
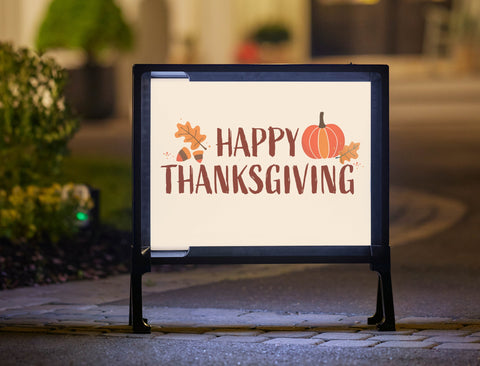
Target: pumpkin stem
322,123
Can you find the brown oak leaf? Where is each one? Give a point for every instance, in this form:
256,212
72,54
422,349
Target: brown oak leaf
191,134
349,152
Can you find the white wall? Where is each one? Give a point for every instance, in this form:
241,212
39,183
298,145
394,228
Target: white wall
20,19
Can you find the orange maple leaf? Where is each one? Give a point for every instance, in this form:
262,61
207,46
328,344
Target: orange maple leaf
349,152
191,135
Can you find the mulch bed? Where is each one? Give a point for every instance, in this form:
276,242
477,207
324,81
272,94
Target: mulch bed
88,256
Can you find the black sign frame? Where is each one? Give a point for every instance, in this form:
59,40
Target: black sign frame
377,254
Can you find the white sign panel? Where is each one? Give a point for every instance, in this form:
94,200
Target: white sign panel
259,163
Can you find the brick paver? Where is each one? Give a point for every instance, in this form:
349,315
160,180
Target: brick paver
116,335
466,346
388,332
241,339
407,344
295,341
343,336
453,339
186,337
148,336
395,337
234,332
443,332
291,334
348,343
473,328
337,329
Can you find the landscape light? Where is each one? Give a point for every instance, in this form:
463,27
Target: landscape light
82,216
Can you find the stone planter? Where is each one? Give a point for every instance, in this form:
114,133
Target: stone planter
90,91
275,53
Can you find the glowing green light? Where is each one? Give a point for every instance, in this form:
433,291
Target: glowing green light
82,216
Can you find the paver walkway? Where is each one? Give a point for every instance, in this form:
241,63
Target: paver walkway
240,326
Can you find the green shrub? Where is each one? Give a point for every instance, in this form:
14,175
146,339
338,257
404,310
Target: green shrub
274,33
43,214
35,123
35,127
94,26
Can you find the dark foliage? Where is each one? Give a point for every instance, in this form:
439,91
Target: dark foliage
86,256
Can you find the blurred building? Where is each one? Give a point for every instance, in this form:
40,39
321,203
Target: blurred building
223,31
372,26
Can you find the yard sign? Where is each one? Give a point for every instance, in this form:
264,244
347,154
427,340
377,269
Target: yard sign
250,164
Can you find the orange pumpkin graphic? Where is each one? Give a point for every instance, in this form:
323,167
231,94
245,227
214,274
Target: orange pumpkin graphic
323,141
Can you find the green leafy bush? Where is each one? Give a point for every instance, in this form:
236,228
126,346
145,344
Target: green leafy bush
35,127
93,26
35,122
43,214
274,33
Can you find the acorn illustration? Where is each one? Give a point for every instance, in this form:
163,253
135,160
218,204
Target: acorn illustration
198,155
183,154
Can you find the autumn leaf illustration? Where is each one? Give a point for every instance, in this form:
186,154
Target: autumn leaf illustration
191,135
349,152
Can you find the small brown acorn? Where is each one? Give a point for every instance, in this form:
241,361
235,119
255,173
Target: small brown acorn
183,154
198,155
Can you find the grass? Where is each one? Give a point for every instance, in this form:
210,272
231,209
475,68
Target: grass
113,178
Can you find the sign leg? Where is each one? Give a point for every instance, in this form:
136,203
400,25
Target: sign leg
139,267
136,319
378,316
384,316
388,323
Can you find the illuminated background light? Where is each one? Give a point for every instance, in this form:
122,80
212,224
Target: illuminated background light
82,216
